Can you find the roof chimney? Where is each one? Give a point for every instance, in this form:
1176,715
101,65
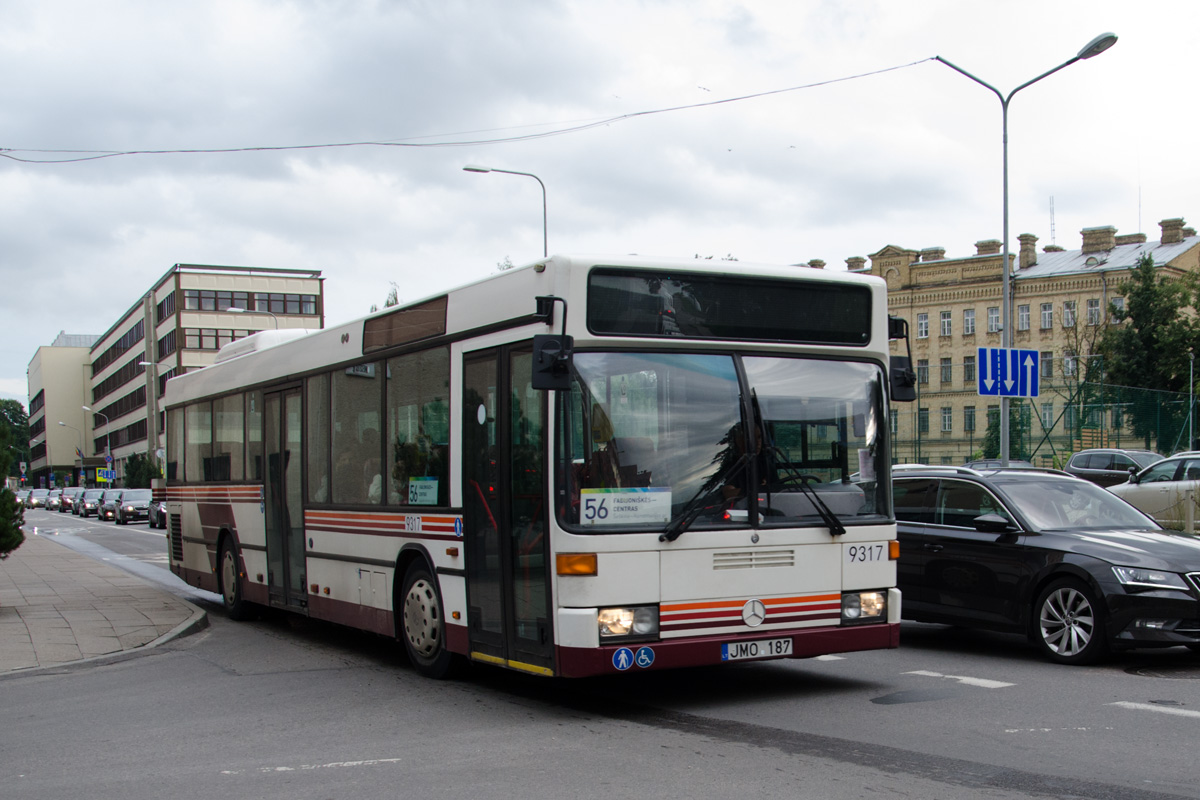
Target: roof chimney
1098,240
933,254
1172,230
988,247
856,263
1131,238
1028,256
817,263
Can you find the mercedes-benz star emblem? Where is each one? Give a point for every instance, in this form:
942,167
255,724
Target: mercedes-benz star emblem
754,613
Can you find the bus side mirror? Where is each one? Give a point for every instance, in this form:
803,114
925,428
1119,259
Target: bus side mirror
552,355
903,379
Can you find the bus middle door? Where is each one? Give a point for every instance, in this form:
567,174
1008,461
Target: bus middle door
504,511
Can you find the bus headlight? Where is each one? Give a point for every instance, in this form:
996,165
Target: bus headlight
864,606
632,622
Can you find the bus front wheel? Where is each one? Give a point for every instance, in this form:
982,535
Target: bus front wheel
422,627
231,583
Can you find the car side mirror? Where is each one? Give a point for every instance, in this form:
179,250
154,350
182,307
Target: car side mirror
993,523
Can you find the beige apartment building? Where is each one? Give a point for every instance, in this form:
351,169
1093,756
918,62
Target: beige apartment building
59,429
176,326
1062,300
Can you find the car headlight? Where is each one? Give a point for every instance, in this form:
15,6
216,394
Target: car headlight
864,607
1141,578
633,622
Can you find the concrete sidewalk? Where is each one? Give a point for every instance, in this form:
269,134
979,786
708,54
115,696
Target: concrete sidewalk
58,606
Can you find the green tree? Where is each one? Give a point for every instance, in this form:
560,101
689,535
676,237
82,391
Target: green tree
1019,419
140,469
12,517
392,299
14,437
1150,351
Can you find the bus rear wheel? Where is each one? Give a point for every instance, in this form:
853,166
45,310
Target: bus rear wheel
231,583
421,625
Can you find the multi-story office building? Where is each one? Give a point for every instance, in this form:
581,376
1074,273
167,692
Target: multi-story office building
176,326
59,376
1062,300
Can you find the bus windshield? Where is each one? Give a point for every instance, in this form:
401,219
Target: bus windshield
666,441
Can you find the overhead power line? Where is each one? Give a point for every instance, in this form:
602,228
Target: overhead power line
95,155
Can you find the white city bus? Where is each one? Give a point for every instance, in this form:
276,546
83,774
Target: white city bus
689,467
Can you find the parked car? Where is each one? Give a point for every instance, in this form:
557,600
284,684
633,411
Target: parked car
23,496
53,499
69,496
1041,553
37,498
89,502
157,515
1161,489
108,504
133,505
995,463
1109,466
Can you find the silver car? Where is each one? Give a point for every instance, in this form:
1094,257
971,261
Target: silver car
1165,490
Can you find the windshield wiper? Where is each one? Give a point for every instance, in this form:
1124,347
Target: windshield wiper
836,528
695,506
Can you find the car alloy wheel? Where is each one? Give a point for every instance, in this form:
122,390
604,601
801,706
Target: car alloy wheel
1069,624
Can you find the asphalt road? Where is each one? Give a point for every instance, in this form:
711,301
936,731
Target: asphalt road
283,707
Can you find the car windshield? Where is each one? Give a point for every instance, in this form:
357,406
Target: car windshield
1145,459
1060,504
93,494
136,494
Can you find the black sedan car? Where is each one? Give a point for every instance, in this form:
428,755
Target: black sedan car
108,504
1047,555
88,503
157,515
134,505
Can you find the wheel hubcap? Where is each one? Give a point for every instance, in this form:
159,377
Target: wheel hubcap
421,618
229,578
1067,622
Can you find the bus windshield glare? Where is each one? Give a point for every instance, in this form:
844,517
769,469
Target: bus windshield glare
665,441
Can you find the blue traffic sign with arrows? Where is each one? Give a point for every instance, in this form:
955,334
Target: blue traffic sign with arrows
1005,372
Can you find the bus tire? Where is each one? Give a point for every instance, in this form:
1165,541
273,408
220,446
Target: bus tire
421,624
231,582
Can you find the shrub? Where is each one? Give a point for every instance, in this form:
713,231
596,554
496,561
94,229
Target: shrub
12,517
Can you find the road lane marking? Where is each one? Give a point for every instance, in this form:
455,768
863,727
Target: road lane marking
374,762
982,683
1178,712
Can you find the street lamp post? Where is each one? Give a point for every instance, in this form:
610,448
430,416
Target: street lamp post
234,310
107,449
1093,48
477,168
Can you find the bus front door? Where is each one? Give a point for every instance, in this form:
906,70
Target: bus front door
504,511
281,499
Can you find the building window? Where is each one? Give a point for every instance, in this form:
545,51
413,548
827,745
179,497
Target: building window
1047,316
945,323
993,319
1047,416
1069,314
1068,362
923,420
1093,312
1023,318
1118,417
969,322
1047,360
1118,309
894,421
947,370
969,370
947,419
922,370
969,419
922,326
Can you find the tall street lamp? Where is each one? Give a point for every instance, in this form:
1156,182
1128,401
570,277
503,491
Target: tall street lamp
477,168
80,448
234,310
152,438
107,449
1093,48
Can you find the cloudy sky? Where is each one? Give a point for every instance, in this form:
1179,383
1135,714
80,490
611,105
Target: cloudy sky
776,131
